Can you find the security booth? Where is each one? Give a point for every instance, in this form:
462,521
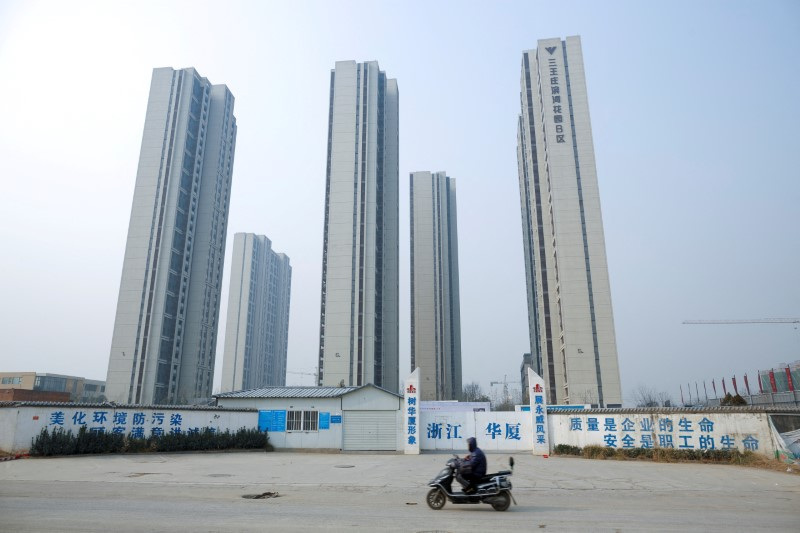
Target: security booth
362,418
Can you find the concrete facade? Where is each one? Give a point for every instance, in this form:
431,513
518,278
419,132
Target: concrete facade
359,304
571,324
257,331
435,300
165,330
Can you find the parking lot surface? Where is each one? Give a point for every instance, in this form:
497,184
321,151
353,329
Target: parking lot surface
371,492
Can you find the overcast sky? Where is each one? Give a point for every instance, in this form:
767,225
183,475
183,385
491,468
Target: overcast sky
695,115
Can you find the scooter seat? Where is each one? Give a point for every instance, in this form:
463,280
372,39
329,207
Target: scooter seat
488,477
500,473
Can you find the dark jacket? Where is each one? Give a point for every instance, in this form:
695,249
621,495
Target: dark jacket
477,462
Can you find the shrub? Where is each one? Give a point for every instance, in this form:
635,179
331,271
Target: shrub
566,449
733,400
636,453
60,442
598,452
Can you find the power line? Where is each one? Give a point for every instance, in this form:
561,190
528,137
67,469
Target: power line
747,321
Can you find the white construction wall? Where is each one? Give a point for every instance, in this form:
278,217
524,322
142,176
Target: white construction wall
19,425
494,431
681,429
678,429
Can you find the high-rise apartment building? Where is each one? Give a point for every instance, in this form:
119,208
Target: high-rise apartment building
571,324
435,308
359,308
527,362
165,331
257,329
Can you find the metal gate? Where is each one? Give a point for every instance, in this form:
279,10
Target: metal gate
370,430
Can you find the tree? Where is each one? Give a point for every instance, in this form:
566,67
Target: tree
589,398
733,400
473,392
505,405
647,397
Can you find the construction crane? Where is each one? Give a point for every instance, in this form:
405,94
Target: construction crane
747,321
504,383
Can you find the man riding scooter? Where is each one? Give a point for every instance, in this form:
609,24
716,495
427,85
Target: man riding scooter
472,468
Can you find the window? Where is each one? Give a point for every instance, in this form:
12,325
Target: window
302,420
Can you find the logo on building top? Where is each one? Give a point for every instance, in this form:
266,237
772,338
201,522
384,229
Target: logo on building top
411,389
551,49
537,388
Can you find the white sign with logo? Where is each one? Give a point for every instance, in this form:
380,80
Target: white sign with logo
536,392
411,414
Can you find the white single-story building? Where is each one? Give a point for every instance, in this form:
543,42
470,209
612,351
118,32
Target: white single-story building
324,418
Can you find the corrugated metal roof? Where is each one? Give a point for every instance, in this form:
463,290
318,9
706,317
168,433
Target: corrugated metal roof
289,392
111,405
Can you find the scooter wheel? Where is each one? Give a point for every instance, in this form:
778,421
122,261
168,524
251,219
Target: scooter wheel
501,502
436,499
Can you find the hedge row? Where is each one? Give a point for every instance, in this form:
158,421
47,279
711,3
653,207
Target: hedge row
664,455
60,442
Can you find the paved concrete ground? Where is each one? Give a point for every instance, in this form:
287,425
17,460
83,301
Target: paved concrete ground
203,492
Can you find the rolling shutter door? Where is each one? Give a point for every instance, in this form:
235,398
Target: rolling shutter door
370,430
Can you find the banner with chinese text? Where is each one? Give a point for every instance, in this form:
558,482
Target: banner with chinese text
411,414
541,443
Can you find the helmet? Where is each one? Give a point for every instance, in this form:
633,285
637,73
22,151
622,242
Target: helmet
472,444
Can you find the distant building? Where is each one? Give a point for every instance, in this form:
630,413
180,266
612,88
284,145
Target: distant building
571,324
30,386
435,300
165,330
17,380
359,310
257,330
527,362
784,378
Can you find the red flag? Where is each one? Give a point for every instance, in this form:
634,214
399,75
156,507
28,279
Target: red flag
689,390
789,379
724,388
746,384
682,400
714,386
705,389
734,384
772,381
697,391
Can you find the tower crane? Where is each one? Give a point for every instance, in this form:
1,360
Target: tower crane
504,383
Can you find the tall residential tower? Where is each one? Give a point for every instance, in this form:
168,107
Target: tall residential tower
435,307
359,309
165,331
257,329
571,324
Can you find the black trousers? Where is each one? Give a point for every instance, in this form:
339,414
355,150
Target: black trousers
467,480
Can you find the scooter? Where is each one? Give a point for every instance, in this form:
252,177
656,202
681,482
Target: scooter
494,489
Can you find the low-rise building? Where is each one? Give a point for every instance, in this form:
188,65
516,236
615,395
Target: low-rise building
324,418
72,388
